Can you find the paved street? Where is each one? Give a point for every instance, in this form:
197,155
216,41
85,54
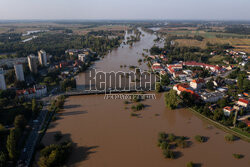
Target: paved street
27,152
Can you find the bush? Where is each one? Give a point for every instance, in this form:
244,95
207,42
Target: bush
164,145
171,137
55,155
162,135
238,156
242,125
133,114
181,143
199,138
190,164
168,154
230,137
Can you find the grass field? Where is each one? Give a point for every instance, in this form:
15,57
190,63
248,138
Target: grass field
216,59
239,44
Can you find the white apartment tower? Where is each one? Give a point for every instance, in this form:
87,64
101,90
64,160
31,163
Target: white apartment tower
2,80
42,57
19,71
32,62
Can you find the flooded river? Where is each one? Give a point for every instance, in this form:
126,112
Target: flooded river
105,135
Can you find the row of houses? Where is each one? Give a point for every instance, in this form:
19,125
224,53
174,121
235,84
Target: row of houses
35,92
239,105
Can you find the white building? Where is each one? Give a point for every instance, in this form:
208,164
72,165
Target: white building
197,83
19,71
42,57
83,58
244,103
212,97
32,62
228,110
2,80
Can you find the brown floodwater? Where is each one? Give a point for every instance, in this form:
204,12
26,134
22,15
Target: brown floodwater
105,135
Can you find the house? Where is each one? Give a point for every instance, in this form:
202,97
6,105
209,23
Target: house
212,68
243,102
228,110
84,58
175,67
237,107
197,83
36,92
212,96
183,87
188,72
157,67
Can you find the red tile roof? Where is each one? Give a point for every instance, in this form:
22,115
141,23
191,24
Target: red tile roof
228,108
244,101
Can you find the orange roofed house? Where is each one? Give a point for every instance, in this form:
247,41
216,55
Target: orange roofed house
197,83
244,103
183,87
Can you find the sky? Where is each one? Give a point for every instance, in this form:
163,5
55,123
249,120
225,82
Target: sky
125,9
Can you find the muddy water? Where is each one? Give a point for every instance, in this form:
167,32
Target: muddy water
124,55
105,135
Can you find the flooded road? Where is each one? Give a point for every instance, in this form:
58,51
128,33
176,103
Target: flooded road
106,135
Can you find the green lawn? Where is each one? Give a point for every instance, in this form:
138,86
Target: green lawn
241,132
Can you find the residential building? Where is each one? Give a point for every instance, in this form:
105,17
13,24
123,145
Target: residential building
42,57
36,92
19,71
32,62
237,107
84,58
212,96
157,67
2,80
188,72
212,68
244,103
228,111
197,83
183,87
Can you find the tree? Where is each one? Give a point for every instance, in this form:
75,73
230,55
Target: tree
188,98
12,144
34,107
171,99
165,81
158,87
3,159
222,102
20,122
190,164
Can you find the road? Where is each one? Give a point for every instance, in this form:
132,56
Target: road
37,125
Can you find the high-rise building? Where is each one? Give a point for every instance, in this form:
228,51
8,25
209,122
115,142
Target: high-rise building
2,80
32,62
19,71
42,57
